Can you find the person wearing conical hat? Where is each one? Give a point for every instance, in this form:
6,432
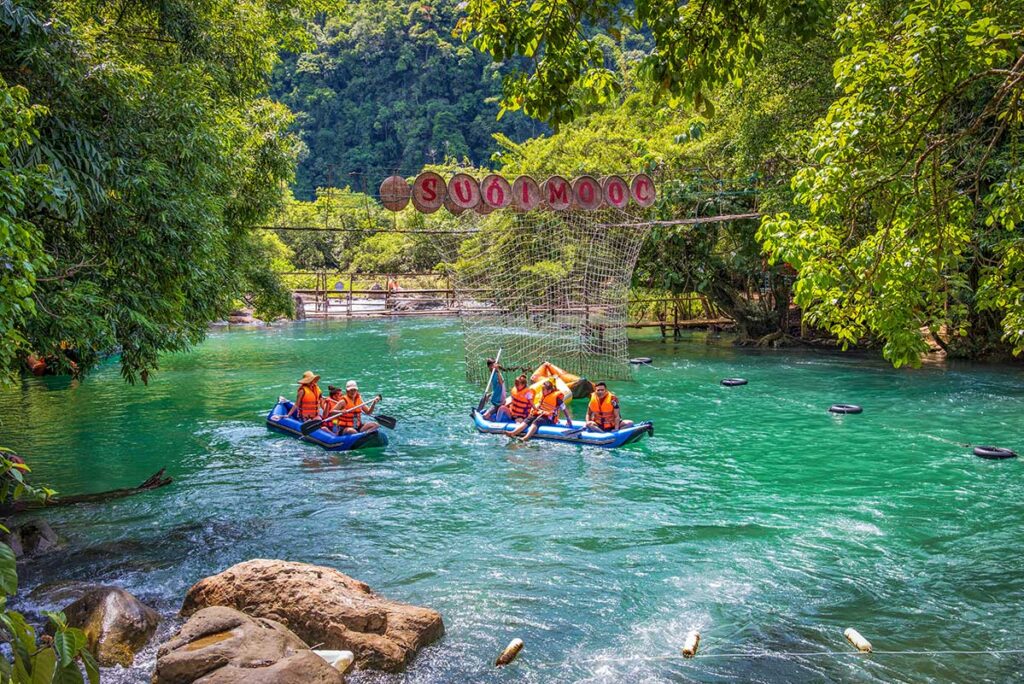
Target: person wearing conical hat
308,399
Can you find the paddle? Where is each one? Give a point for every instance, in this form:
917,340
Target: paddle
313,424
487,389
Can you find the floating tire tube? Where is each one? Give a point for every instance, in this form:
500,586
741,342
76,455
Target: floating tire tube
641,360
845,408
734,382
994,453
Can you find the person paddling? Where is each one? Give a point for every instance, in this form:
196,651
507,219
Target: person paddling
351,421
309,397
497,389
331,401
545,412
603,411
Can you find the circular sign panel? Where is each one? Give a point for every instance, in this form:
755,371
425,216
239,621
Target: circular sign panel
556,193
451,206
395,193
428,192
496,191
641,189
616,192
463,191
525,194
587,193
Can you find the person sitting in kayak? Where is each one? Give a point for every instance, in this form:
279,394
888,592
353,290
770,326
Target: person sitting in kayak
351,409
330,407
544,412
603,411
517,406
308,400
497,390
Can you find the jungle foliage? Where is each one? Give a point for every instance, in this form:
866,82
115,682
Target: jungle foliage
387,88
886,137
137,149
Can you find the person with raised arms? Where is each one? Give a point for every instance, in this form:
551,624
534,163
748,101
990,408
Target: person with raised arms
496,389
603,411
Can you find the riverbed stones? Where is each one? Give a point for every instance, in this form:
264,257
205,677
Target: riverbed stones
220,645
116,624
322,606
31,538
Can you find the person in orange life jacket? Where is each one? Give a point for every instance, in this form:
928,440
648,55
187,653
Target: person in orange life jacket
497,391
603,411
351,421
330,406
308,400
517,406
545,412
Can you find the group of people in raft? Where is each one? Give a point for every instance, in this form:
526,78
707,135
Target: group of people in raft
531,409
345,412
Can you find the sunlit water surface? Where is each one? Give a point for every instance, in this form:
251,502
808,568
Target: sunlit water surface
753,515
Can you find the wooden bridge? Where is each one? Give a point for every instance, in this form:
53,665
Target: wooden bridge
371,295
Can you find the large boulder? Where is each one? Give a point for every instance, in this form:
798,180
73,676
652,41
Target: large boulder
322,606
116,624
30,538
223,646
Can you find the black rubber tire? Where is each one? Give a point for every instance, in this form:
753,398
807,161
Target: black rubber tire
993,453
641,360
734,382
845,408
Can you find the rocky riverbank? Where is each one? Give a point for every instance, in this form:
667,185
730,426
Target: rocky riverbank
257,621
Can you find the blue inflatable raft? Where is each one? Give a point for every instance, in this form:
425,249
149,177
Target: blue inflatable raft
560,433
325,438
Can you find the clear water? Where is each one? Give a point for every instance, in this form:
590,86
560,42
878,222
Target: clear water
753,515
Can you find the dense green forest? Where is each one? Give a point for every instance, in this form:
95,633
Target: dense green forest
387,88
142,142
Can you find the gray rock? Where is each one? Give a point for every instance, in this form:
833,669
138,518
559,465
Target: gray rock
30,538
116,624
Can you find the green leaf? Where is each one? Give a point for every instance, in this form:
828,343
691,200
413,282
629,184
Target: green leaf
8,571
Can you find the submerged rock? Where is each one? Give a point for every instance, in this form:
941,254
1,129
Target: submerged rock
323,606
30,538
116,624
58,594
221,645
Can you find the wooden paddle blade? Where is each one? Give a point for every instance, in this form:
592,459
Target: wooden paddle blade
387,421
483,402
311,426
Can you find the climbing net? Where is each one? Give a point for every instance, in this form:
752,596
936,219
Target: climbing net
546,286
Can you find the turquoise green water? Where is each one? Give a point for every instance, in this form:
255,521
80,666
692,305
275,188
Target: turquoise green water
753,515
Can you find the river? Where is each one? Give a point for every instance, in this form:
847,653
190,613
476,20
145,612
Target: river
753,515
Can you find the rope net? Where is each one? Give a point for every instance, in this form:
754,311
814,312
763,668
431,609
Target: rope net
546,286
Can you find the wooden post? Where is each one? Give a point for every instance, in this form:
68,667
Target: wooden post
675,319
350,286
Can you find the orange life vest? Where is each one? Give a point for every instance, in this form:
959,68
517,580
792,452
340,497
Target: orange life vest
548,405
330,406
603,412
352,419
522,400
309,401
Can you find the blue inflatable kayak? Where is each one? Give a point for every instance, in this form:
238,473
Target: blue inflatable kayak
560,433
325,438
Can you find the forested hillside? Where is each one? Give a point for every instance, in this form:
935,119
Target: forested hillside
388,88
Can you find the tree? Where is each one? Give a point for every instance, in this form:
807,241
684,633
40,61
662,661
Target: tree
148,153
695,46
911,189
